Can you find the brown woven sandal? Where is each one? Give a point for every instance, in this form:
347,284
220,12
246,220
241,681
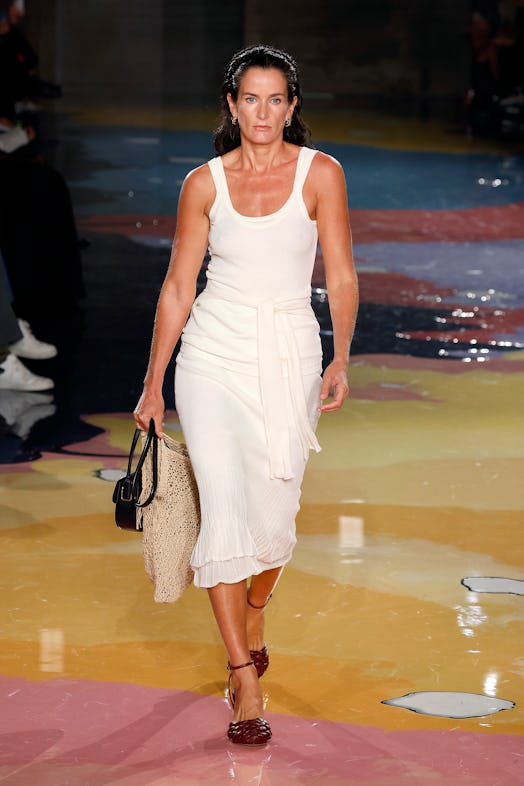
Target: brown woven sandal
255,731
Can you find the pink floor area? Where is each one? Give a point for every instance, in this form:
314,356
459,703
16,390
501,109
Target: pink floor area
85,733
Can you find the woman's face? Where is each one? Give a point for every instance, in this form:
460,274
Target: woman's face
262,105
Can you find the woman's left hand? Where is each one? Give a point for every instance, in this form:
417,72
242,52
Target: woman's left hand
335,385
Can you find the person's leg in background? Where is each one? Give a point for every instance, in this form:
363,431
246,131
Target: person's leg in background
13,374
38,238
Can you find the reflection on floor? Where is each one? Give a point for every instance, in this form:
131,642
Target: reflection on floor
405,591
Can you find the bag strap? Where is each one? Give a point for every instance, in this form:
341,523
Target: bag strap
151,439
132,452
134,478
154,481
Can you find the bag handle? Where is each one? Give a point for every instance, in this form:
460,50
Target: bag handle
150,439
132,451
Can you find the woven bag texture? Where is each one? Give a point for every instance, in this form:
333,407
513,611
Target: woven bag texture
171,522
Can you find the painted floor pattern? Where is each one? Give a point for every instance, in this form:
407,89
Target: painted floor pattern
397,632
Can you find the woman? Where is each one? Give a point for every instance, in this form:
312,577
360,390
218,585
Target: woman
248,386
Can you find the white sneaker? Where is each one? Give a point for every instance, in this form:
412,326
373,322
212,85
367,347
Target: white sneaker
31,347
15,376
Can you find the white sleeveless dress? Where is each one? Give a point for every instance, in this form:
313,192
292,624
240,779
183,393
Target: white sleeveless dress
247,383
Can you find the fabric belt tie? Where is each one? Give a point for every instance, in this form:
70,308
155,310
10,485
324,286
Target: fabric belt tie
271,313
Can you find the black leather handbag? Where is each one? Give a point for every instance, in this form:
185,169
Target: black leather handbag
128,489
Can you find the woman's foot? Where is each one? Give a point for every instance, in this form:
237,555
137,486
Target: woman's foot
248,726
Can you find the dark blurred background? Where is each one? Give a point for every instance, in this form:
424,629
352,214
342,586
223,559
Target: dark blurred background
106,105
365,48
410,56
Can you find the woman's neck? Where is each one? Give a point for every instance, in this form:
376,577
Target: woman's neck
262,158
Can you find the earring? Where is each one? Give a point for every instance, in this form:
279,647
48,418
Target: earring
287,123
234,120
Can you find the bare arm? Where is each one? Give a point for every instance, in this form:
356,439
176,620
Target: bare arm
341,279
178,291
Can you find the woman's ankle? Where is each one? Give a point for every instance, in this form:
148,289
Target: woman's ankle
249,701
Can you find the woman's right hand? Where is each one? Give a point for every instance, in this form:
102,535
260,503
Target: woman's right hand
150,405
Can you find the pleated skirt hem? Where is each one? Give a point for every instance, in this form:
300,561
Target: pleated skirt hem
233,570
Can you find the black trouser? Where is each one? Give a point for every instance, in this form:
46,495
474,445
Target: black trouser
9,328
38,236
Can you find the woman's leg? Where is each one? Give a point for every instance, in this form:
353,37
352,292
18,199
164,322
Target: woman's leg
262,585
242,628
229,603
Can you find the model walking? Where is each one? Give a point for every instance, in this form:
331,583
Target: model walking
247,385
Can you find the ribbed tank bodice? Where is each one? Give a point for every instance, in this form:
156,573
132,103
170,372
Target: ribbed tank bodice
254,316
254,259
263,256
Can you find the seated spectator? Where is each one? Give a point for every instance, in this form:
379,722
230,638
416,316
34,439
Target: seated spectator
26,86
9,68
38,236
20,61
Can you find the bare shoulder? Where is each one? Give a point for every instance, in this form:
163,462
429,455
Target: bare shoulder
199,180
198,187
326,170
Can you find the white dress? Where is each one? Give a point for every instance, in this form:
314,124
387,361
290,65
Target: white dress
247,383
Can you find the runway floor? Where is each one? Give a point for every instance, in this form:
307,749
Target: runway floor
397,632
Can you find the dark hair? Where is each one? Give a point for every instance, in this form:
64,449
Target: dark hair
227,135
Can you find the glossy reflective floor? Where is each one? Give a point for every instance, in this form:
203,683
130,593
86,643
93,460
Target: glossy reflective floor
397,633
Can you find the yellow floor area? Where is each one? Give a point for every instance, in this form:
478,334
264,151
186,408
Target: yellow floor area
406,499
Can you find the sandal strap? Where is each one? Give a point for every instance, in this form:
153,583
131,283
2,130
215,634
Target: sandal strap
263,606
242,665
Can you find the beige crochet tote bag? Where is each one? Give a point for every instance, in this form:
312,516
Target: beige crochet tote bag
171,522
